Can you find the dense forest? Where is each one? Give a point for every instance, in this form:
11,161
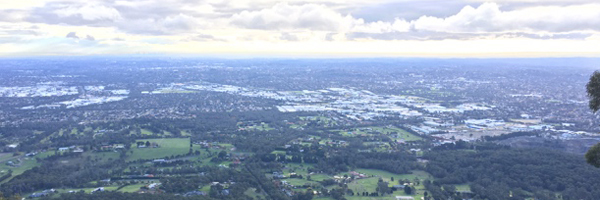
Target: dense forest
505,173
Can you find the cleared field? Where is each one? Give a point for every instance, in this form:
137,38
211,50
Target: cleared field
251,192
45,154
146,132
168,147
319,177
300,182
185,133
5,156
205,188
370,184
89,190
393,132
463,188
131,188
278,152
25,164
104,156
86,190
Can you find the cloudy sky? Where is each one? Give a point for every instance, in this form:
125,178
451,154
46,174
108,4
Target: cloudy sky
325,28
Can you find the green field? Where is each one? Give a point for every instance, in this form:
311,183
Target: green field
205,188
463,188
393,132
5,157
25,164
278,152
45,154
146,132
185,133
251,192
131,188
319,177
86,190
300,182
168,147
104,156
370,184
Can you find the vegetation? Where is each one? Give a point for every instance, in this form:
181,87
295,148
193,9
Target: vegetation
518,173
593,92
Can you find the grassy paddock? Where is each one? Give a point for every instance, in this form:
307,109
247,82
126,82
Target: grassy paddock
168,147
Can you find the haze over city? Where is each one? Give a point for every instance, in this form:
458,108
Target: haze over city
299,100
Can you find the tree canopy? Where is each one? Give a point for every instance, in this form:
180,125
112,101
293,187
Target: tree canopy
593,92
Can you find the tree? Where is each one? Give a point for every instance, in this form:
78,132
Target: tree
593,92
382,187
593,156
408,190
222,154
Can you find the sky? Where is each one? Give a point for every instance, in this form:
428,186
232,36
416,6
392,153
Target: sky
301,28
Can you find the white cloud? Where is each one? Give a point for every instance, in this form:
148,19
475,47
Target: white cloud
488,17
486,20
399,25
89,12
283,16
228,23
313,17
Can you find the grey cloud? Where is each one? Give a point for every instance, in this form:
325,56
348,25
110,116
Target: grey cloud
72,14
90,38
329,36
409,10
489,17
72,35
426,35
12,15
571,36
204,38
430,35
22,32
19,31
9,39
151,17
156,17
288,37
488,20
157,41
284,16
412,10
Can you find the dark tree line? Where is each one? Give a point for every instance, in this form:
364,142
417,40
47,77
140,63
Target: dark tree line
521,173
